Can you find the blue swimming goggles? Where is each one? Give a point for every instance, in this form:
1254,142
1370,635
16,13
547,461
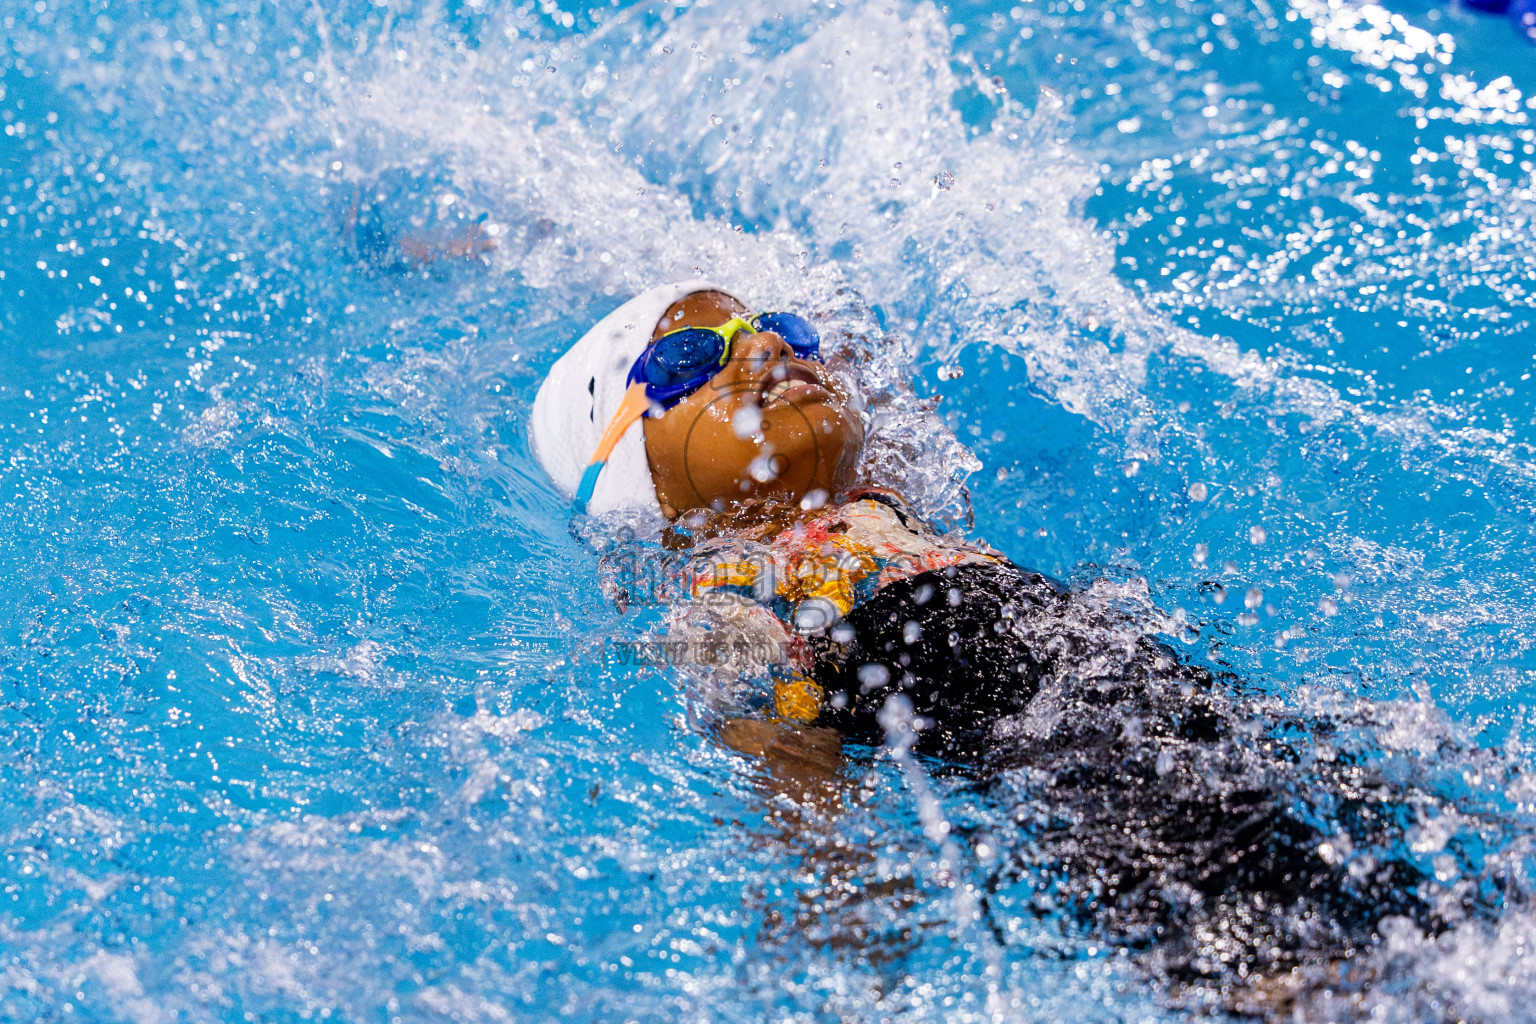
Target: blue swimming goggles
680,362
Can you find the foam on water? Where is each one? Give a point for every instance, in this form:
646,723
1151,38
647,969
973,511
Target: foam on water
305,708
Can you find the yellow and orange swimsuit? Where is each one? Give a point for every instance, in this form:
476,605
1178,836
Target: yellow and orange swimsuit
807,573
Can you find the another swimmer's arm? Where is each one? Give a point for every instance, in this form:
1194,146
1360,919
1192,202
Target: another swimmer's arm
363,231
471,243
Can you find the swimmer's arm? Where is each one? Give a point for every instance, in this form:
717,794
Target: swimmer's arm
801,762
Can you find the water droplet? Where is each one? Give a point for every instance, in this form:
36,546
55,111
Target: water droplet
872,676
761,469
747,420
815,614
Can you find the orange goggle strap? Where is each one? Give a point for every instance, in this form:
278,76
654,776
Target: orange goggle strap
633,407
635,404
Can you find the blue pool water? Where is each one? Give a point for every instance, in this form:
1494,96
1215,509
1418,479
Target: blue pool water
307,708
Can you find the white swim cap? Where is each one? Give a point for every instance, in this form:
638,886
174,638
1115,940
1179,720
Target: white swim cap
582,393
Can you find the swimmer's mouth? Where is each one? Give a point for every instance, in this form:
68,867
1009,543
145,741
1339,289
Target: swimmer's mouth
786,380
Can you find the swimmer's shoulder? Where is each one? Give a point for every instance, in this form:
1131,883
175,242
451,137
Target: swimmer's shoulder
872,515
972,553
893,508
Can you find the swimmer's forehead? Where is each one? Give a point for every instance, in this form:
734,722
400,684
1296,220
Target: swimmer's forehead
701,309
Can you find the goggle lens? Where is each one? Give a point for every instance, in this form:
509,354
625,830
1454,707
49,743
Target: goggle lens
682,356
679,363
796,331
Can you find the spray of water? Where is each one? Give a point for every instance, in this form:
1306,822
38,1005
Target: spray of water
852,160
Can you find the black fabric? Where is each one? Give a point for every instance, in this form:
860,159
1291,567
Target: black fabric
944,638
1153,809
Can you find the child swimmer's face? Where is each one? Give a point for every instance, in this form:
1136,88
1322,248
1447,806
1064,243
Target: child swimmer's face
705,452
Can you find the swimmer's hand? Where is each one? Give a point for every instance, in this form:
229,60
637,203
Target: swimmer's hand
365,232
472,243
803,762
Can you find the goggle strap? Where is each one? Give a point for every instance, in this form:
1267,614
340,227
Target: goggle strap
631,408
588,485
728,331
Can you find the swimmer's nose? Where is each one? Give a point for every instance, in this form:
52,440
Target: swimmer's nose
758,350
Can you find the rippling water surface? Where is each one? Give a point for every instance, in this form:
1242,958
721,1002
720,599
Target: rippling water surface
309,708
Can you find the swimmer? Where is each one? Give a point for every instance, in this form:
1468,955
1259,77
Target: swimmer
1151,813
728,423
